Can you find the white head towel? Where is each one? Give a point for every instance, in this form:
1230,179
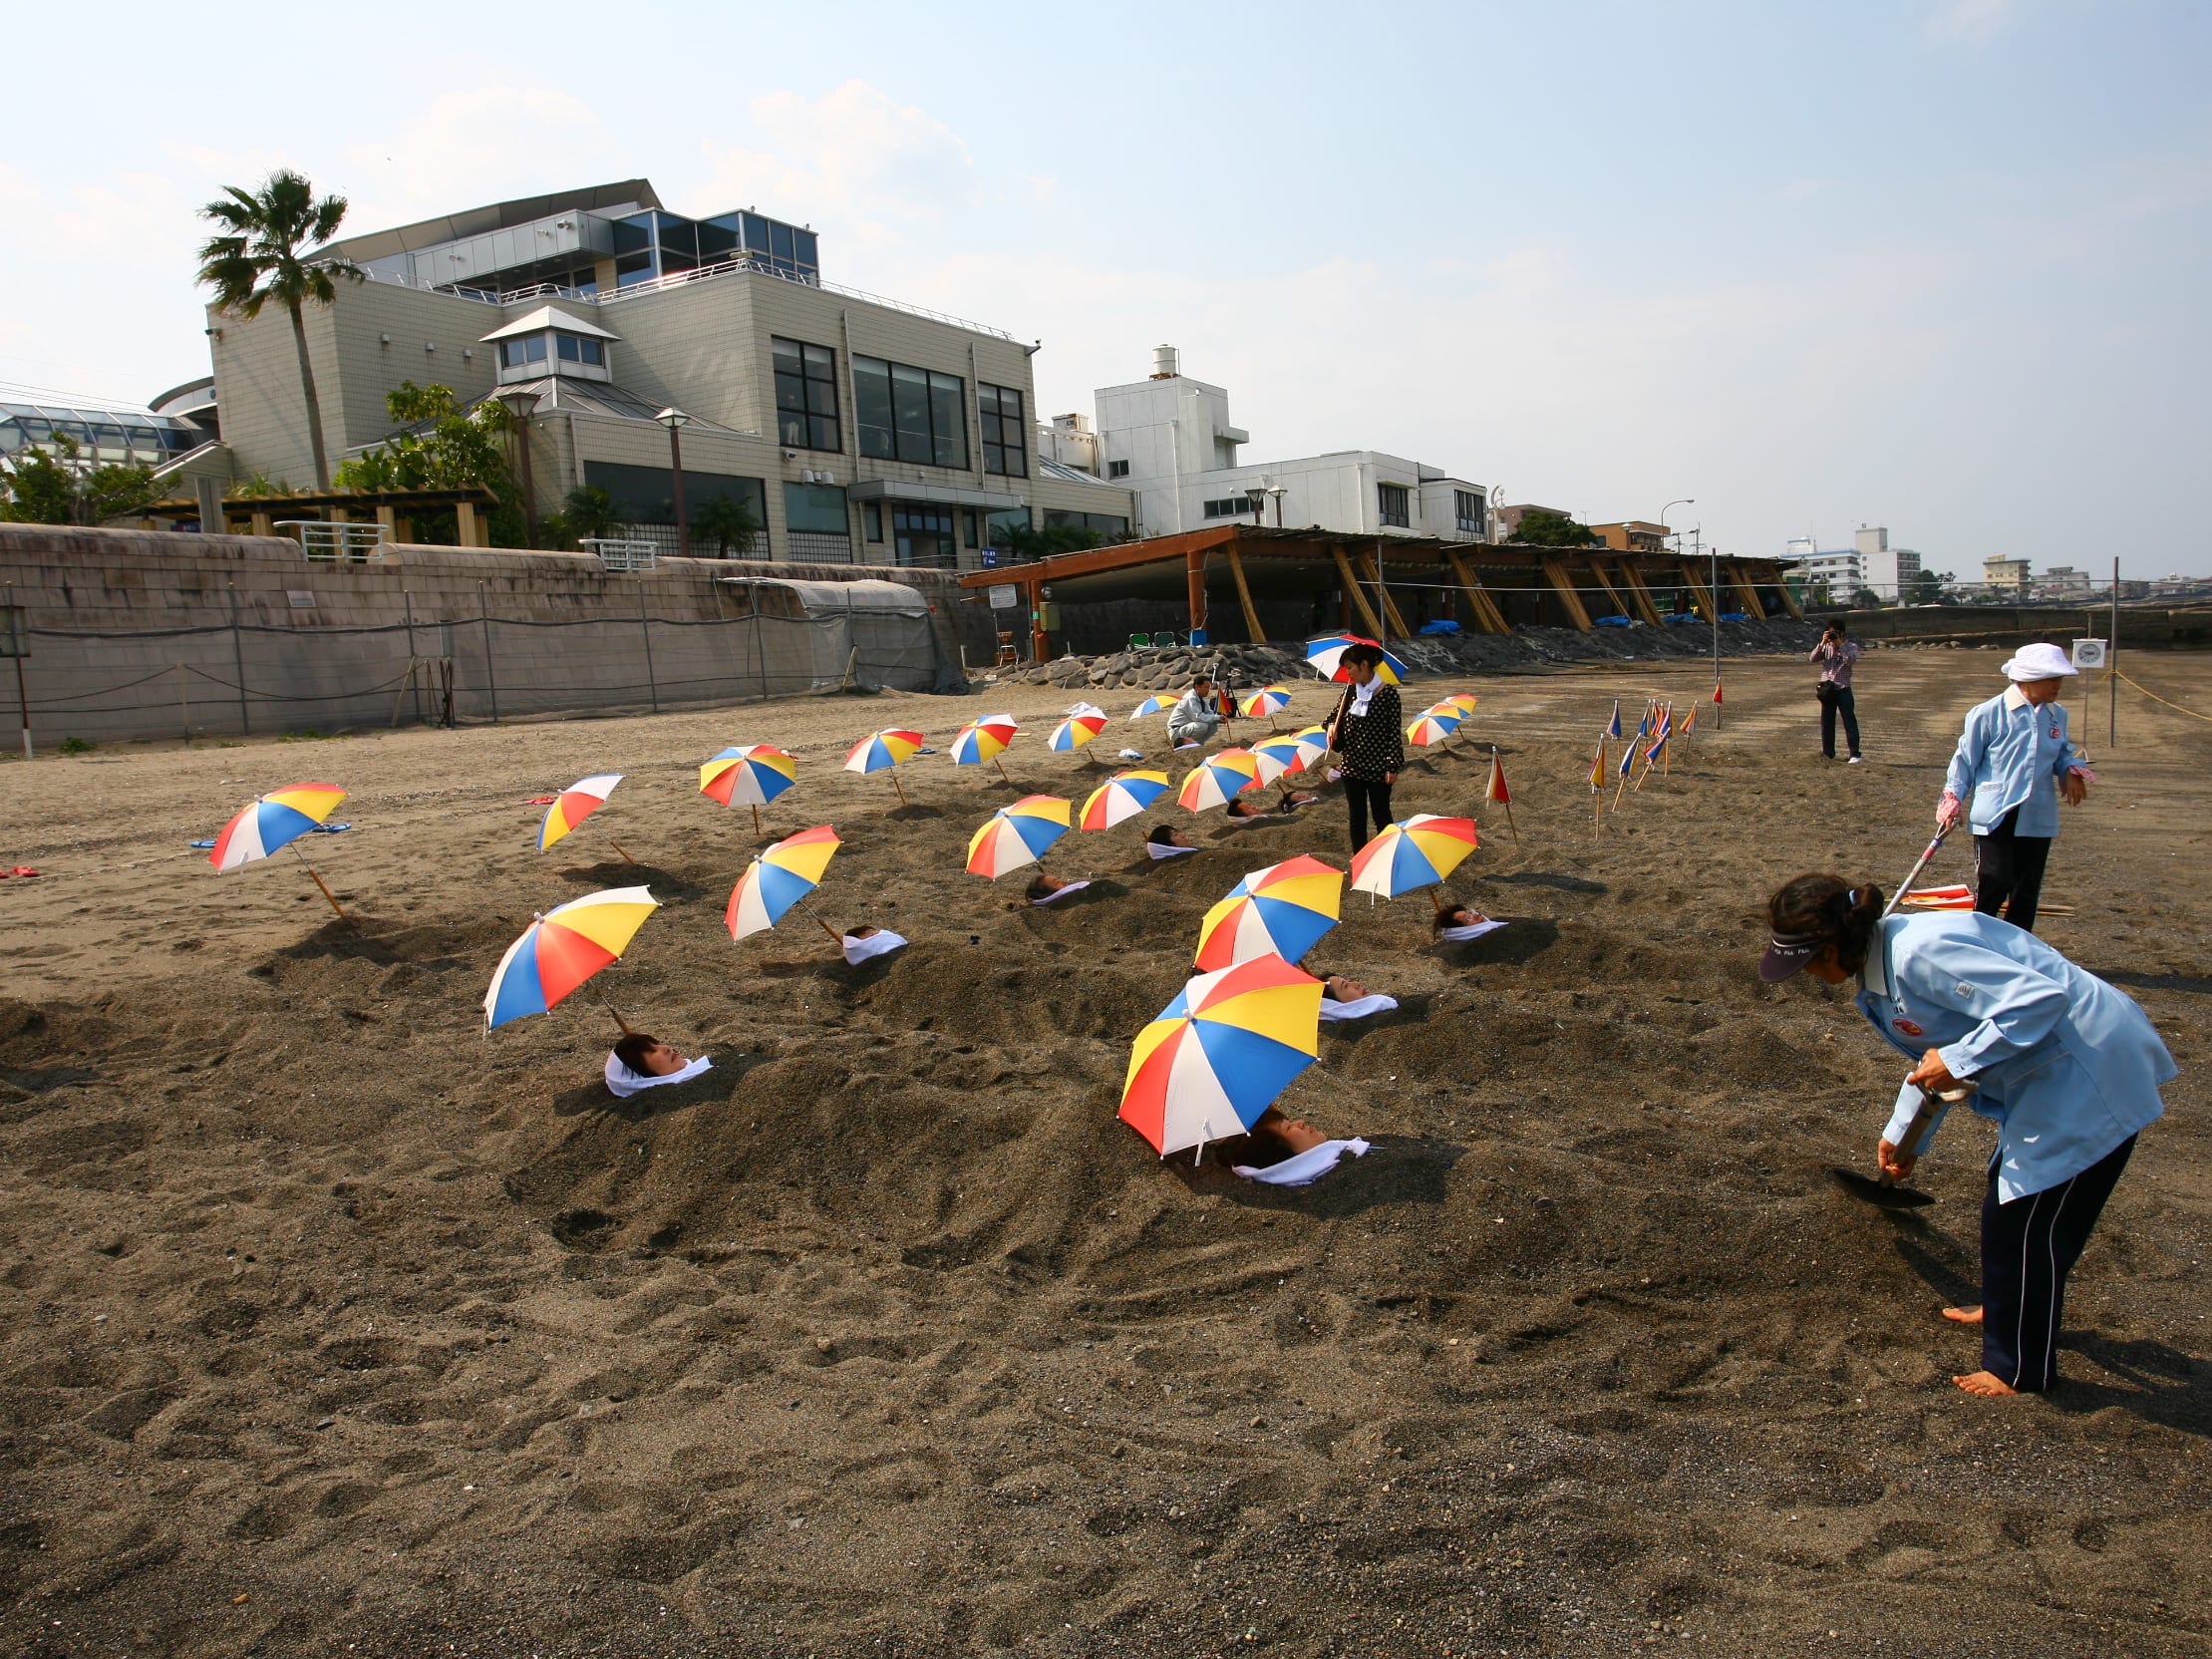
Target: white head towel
1331,1009
1306,1168
1460,936
622,1082
880,943
1055,898
1160,849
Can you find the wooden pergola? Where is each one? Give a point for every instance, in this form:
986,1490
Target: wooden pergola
1308,563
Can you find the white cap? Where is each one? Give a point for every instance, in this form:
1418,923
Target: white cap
2040,662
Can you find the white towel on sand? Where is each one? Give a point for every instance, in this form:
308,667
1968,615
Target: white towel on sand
1460,936
879,943
622,1082
1331,1009
1055,898
1160,849
1305,1168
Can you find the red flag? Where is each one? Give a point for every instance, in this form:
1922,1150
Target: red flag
1497,790
1716,690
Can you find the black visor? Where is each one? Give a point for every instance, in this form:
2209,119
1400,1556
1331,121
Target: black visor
1785,954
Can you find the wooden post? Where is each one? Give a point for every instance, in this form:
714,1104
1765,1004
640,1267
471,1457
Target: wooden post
1789,600
1194,588
1482,606
1569,601
1390,605
1646,606
388,517
1697,591
465,521
1746,595
1613,597
1244,598
1356,592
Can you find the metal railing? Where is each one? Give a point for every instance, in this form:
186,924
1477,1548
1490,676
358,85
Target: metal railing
636,556
323,541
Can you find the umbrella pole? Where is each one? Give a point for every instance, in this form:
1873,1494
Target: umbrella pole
1001,764
837,937
1437,897
618,846
317,879
616,1012
756,829
901,788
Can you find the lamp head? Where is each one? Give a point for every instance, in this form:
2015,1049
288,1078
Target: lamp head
673,418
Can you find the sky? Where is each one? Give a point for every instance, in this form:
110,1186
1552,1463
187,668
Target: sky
1935,265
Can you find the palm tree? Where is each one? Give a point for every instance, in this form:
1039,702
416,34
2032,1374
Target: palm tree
590,512
725,520
257,261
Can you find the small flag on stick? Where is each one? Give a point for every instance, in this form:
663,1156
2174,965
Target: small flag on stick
1613,726
1716,701
1597,789
1498,793
1627,766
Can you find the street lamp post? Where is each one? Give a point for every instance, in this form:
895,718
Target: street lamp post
1257,495
675,420
1278,491
520,405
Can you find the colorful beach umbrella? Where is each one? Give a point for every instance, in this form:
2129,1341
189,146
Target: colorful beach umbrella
1152,704
1327,656
1284,909
1017,834
984,740
1265,701
1418,851
779,879
276,819
1220,1053
575,803
1431,728
884,750
1314,741
1121,797
1218,778
1278,754
1465,702
748,777
561,949
1084,723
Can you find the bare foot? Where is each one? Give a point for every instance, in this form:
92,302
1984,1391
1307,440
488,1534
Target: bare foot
1984,1382
1964,1316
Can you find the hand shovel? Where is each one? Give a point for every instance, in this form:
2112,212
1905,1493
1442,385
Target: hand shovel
1883,1193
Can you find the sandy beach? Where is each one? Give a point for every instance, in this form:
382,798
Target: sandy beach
330,1324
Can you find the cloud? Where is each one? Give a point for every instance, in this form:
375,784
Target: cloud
1971,22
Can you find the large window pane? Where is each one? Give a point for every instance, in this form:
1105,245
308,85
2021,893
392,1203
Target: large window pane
1005,430
806,395
949,419
910,413
816,506
871,400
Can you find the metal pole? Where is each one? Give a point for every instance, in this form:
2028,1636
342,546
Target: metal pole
185,699
1713,598
413,684
490,674
2112,665
1381,599
682,522
238,664
529,493
646,628
12,619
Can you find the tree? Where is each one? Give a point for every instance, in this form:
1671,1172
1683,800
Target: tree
724,520
1027,542
1552,530
1928,589
41,487
1865,598
591,513
439,446
258,259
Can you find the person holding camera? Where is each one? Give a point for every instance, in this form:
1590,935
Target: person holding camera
1835,654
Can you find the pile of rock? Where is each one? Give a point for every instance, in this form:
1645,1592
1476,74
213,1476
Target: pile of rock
1167,670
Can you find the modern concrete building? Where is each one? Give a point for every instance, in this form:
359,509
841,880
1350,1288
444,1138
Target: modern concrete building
1507,519
1885,569
1843,571
860,430
1631,535
1169,439
2008,576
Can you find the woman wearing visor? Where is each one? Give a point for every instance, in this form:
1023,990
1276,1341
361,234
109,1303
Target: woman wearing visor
2066,1066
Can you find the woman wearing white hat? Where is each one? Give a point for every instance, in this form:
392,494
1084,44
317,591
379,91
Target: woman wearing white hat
2015,760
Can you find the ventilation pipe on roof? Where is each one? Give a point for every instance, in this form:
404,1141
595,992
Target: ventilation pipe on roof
1165,364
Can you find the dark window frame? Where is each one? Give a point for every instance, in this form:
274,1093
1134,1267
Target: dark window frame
1118,469
929,431
1466,510
1005,435
1400,515
816,414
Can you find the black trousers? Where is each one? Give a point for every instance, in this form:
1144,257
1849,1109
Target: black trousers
2010,866
1838,700
1364,798
2029,1246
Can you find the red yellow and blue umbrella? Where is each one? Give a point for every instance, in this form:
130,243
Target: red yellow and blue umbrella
575,803
748,776
1121,797
1077,728
1284,909
884,750
1433,727
984,740
1418,851
1327,656
779,879
1220,1053
1017,834
1152,704
561,949
1218,778
276,819
1278,754
1266,699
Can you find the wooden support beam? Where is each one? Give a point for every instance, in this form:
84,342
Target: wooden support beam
1252,628
1390,605
1789,599
1646,606
1039,643
1706,606
1569,601
1612,594
1356,592
1487,614
1194,586
1746,595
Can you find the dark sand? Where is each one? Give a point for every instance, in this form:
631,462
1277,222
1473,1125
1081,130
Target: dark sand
332,1326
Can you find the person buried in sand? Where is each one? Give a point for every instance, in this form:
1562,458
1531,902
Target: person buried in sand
2066,1066
1291,802
642,1061
1045,888
1197,715
1282,1150
1164,840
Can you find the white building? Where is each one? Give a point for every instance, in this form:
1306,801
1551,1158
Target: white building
1170,441
1884,568
1841,569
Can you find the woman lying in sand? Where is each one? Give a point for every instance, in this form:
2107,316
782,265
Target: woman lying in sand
1346,999
1291,802
1288,1152
1458,923
1167,842
862,943
1045,888
640,1061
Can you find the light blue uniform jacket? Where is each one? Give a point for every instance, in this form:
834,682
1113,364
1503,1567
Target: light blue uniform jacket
2012,754
2066,1066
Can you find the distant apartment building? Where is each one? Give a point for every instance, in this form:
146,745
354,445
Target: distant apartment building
1840,570
1168,439
1887,571
2006,576
1509,518
858,430
1633,535
2063,581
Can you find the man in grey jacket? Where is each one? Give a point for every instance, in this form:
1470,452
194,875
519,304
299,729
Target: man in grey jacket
1197,715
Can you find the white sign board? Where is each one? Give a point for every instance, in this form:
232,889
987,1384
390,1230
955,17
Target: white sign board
2088,653
1005,596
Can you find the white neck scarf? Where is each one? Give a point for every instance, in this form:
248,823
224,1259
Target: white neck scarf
1160,849
880,943
1331,1009
1307,1166
1362,695
1056,896
1476,931
622,1082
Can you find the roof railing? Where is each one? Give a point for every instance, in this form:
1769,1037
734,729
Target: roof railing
325,541
629,557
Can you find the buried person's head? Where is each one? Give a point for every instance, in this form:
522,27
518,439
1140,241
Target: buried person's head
1274,1139
1822,924
647,1055
1456,915
1166,835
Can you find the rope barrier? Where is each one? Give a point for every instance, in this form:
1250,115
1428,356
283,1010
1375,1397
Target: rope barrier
2155,698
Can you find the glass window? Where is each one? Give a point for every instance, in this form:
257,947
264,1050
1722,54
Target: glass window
816,506
1233,507
909,414
1392,507
718,238
756,234
1009,519
806,395
647,496
1118,469
780,244
1005,430
949,419
633,268
871,408
593,353
803,247
570,348
871,516
1466,510
1105,524
923,535
966,526
631,235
